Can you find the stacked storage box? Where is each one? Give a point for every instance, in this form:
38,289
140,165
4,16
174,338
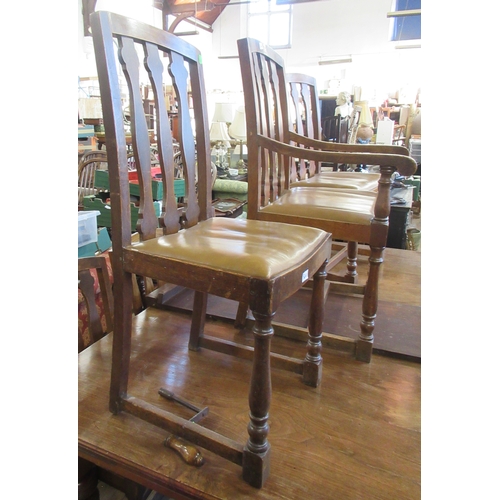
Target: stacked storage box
91,240
100,203
415,149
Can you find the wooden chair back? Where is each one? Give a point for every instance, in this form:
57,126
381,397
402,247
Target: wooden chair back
341,129
88,164
304,109
305,116
96,304
304,104
186,77
267,116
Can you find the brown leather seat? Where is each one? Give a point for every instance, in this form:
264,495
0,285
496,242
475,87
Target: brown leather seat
349,207
342,180
263,250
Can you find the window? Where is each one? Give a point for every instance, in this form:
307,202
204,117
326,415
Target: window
406,27
270,23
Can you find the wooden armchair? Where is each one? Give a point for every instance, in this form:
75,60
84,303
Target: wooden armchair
303,100
88,164
351,215
258,262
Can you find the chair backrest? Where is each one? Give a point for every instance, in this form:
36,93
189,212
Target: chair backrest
341,128
97,300
399,134
163,60
304,109
266,108
88,164
304,104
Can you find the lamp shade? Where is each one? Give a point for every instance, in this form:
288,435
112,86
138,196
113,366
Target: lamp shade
218,132
365,117
238,127
223,112
240,149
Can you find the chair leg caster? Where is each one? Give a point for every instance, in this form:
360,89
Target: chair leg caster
256,467
364,350
312,373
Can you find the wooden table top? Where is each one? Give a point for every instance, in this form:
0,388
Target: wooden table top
356,436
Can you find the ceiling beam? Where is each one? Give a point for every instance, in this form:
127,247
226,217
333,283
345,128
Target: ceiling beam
188,7
288,2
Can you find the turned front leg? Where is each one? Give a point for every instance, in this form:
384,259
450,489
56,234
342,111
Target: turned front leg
378,241
256,453
313,363
364,345
352,261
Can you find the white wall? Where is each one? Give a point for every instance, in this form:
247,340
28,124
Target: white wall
329,28
323,29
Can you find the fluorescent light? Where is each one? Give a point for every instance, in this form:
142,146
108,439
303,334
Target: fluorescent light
407,44
336,60
186,33
401,13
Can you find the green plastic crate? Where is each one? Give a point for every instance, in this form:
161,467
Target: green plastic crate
101,181
94,202
414,181
102,244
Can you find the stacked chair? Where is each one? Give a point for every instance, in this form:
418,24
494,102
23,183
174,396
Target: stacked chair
283,189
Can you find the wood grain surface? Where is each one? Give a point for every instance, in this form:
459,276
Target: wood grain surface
355,436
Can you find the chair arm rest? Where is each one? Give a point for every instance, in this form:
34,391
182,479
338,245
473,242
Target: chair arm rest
354,148
405,165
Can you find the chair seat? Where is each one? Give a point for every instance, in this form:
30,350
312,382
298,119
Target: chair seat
344,180
340,205
256,249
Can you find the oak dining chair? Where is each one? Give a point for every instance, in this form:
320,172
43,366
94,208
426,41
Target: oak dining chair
258,262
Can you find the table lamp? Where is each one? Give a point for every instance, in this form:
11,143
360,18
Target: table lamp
223,112
365,124
219,135
238,131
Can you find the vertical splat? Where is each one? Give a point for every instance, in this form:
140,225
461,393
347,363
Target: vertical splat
281,163
169,217
147,221
300,172
180,75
